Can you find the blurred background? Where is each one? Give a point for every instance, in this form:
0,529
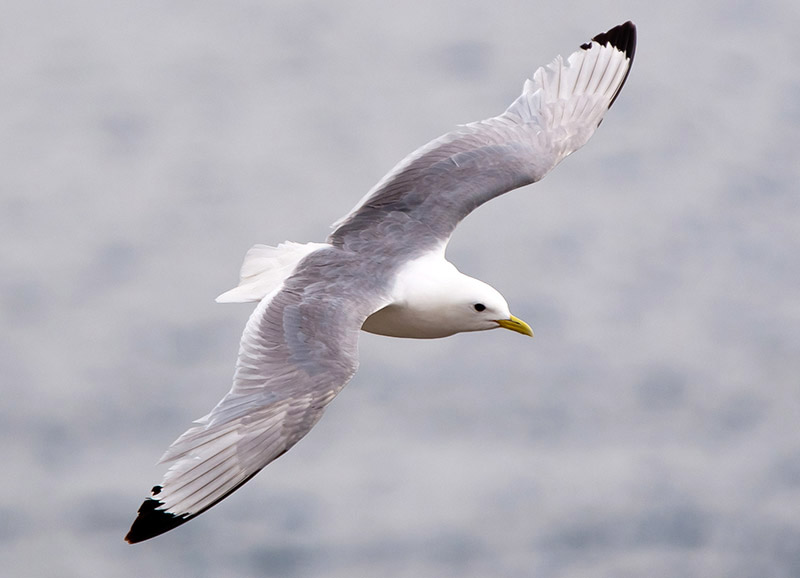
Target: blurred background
650,428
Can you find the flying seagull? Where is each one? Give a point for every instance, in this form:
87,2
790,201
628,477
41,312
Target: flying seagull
383,270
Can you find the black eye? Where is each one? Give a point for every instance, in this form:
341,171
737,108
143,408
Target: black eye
480,307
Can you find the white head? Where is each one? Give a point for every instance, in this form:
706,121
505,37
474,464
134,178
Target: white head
468,304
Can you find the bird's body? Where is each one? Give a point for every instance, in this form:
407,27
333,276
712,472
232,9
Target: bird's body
383,270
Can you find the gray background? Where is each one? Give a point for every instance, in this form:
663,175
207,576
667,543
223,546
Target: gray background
650,428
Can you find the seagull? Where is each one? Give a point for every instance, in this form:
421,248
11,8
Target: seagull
382,270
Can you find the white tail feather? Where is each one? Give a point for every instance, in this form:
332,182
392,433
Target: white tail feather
265,268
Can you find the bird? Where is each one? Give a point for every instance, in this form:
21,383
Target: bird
382,270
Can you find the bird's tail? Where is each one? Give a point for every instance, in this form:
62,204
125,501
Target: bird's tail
265,268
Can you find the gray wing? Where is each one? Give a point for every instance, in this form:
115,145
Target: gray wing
298,350
424,197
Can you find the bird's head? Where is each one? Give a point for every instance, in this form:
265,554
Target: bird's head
479,306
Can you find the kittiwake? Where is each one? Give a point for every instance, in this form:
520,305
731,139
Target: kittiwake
383,270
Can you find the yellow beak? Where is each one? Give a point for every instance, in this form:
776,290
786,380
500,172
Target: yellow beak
517,325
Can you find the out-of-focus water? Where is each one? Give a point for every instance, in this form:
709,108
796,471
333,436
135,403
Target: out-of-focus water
650,428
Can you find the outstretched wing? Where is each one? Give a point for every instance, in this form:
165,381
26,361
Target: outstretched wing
426,195
298,350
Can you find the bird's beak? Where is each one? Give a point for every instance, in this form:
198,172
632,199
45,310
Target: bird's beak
517,325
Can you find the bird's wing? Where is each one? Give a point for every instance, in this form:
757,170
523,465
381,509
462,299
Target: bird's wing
425,196
298,350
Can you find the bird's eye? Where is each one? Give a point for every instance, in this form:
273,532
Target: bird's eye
480,307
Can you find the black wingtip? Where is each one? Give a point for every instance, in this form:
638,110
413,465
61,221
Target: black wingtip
152,522
622,37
